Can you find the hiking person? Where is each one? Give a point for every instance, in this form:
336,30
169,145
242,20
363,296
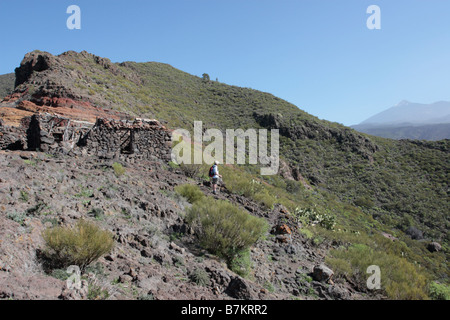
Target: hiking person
214,175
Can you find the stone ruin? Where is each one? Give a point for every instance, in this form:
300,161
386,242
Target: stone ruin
13,138
138,139
107,139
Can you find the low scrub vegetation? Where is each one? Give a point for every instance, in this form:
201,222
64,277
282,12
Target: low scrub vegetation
245,184
191,192
438,291
242,263
200,277
223,228
400,279
195,170
119,170
78,245
310,216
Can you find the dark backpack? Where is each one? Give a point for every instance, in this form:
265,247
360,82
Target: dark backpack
211,172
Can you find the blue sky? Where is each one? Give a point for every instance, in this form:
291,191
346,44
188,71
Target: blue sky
316,54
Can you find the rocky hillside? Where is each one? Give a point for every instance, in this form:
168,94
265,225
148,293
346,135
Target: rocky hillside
44,83
6,84
378,201
155,255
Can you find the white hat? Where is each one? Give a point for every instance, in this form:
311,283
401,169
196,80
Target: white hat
216,162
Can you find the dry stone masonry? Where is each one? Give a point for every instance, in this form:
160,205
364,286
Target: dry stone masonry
12,138
109,139
138,139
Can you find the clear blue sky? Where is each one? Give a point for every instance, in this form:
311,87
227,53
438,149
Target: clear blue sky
316,54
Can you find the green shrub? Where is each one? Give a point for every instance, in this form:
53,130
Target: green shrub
30,162
97,269
79,245
24,196
310,216
178,261
146,297
241,263
266,199
200,277
191,192
399,278
18,217
60,274
223,228
439,291
85,192
241,183
97,213
96,292
37,209
303,278
364,202
328,221
118,169
53,221
173,165
307,233
293,186
194,170
269,286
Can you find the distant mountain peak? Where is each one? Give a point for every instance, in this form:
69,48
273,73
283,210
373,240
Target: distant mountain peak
410,120
412,113
402,103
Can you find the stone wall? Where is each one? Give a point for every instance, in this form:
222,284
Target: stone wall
13,138
50,133
118,139
139,139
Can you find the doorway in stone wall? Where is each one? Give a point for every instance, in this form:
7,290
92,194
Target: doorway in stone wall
127,141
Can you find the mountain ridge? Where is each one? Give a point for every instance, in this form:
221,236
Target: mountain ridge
369,184
409,112
408,120
79,81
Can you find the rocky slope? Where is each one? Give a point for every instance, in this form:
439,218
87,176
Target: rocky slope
371,186
6,84
43,83
155,253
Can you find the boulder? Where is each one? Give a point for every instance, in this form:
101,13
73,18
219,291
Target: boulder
283,229
283,238
240,289
322,273
434,247
177,248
